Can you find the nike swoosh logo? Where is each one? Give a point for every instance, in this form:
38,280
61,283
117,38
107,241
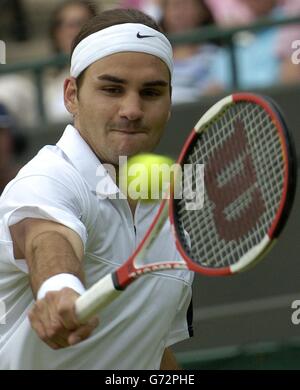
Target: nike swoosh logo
144,36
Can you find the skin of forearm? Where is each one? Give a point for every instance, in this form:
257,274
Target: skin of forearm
49,254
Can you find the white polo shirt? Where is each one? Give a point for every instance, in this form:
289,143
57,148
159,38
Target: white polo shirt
61,183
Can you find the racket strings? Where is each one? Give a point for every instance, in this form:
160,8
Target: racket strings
244,173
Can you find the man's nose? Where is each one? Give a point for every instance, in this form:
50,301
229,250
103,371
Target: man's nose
131,107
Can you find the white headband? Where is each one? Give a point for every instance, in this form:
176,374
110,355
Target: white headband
121,38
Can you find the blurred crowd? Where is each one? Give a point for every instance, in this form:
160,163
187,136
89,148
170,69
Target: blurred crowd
263,57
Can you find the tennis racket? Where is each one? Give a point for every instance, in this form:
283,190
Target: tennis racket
250,180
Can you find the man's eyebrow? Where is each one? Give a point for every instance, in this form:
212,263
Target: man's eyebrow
156,83
114,79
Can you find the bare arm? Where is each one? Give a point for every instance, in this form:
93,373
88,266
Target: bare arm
168,361
49,249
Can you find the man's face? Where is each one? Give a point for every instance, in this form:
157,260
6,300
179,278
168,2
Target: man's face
122,106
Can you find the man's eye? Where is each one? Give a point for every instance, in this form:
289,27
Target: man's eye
151,92
112,90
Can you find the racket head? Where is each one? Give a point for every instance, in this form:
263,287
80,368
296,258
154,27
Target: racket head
250,182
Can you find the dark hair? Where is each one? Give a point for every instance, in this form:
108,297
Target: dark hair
54,23
111,18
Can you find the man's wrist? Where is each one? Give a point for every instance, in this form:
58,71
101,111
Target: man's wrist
60,281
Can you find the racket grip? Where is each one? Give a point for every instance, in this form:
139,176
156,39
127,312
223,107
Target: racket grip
96,298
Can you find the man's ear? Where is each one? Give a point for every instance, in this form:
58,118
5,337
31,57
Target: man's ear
70,95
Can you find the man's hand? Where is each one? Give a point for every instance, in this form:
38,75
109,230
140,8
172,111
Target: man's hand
54,319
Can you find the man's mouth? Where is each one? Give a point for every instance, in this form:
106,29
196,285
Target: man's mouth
129,131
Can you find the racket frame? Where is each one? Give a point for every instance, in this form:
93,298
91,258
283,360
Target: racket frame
289,188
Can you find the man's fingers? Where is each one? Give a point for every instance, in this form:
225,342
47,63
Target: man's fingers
83,332
66,309
52,329
54,319
57,334
47,323
39,328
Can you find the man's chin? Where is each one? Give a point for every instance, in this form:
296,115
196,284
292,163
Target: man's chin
132,148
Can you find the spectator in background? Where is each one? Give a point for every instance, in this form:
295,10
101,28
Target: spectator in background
192,62
229,13
257,60
66,22
18,93
11,145
149,7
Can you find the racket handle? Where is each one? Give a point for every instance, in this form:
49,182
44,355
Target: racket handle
96,298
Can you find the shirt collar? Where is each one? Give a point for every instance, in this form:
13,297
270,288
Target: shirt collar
87,163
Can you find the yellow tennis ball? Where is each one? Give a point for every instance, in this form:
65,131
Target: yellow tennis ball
146,176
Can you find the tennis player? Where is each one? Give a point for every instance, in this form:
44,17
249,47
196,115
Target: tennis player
63,226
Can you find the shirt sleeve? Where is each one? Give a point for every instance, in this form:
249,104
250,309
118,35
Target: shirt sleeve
182,326
41,197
